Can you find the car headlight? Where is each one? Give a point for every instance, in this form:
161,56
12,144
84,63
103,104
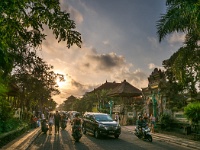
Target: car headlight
118,126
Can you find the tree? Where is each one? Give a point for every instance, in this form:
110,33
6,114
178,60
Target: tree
22,32
181,16
42,79
22,25
183,66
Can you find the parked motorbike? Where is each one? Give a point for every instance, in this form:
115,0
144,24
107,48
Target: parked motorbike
63,124
77,134
44,126
143,133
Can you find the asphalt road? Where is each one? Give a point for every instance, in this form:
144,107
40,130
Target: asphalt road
126,141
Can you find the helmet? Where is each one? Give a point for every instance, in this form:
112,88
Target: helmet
77,114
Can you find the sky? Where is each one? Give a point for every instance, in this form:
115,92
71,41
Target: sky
120,42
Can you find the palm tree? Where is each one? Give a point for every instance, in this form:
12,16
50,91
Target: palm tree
181,16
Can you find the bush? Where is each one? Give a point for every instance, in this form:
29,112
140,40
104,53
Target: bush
131,121
192,112
6,113
166,121
10,125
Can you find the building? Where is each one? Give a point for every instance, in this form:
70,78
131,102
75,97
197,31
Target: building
155,100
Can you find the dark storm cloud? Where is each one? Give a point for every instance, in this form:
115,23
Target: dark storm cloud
107,61
77,84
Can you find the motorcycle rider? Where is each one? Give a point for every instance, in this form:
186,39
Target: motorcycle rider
63,121
141,123
76,122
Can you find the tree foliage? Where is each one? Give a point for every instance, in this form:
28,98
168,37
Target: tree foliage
183,70
22,28
192,112
22,33
183,67
181,16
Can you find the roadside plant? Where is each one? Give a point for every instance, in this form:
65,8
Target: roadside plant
192,112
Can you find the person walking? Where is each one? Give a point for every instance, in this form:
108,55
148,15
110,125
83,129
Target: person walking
117,118
153,120
57,119
51,121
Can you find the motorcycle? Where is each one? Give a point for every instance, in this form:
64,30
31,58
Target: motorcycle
77,134
44,126
143,133
63,124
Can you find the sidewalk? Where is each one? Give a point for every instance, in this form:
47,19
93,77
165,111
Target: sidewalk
23,142
170,138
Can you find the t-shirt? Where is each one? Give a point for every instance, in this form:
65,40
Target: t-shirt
57,118
77,121
153,119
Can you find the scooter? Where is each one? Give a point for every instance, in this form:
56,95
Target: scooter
63,124
143,133
44,126
77,134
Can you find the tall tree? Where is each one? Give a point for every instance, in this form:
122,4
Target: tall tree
181,16
22,25
183,66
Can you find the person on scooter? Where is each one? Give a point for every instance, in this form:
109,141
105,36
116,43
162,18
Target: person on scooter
141,124
76,122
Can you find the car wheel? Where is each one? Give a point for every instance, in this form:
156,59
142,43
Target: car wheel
96,134
84,131
116,136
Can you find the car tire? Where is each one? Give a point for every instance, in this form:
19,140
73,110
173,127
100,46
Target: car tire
116,136
96,134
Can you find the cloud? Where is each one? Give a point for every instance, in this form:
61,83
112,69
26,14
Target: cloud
153,66
176,38
106,62
74,13
85,69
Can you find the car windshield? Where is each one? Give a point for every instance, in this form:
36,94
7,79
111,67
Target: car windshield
103,118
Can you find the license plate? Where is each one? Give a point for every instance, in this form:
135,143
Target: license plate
111,131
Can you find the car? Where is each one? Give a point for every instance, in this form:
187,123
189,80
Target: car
100,124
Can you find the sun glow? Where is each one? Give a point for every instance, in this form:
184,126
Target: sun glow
62,82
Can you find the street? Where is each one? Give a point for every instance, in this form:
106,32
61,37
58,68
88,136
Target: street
126,141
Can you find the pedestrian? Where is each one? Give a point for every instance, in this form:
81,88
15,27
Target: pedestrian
152,120
57,119
51,121
117,118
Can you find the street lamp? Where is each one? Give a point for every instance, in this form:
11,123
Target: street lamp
111,105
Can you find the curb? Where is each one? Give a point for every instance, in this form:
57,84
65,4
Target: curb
172,139
24,141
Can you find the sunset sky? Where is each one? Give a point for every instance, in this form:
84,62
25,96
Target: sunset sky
119,42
